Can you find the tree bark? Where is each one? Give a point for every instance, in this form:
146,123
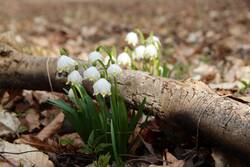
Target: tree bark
188,103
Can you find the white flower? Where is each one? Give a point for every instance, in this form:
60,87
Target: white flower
132,38
150,52
71,93
74,78
114,70
155,41
94,56
66,64
106,60
124,59
138,54
91,74
103,87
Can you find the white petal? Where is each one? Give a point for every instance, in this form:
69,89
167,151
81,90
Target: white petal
155,41
66,64
94,56
132,38
139,52
114,70
150,52
124,59
71,93
74,78
91,74
102,86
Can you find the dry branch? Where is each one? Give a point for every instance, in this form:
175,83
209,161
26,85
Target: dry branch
187,103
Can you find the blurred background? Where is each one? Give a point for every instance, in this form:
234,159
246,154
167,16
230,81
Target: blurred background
192,31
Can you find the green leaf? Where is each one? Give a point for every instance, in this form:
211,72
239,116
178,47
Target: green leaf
22,129
101,147
64,51
66,141
165,71
91,138
137,116
70,113
141,36
102,161
113,139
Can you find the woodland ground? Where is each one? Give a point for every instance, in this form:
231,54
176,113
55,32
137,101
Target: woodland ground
206,40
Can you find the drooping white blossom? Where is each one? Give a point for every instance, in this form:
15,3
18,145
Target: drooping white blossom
155,41
114,70
138,54
124,60
74,78
71,93
150,52
91,74
132,38
66,64
94,56
103,87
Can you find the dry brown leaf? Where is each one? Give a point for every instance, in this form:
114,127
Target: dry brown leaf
8,123
32,119
178,163
225,86
5,164
35,142
243,73
205,73
43,96
28,159
170,158
51,128
231,67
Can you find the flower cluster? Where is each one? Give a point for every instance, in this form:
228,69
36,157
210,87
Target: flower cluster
148,49
142,53
102,85
100,78
67,65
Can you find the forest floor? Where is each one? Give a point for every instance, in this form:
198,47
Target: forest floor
203,40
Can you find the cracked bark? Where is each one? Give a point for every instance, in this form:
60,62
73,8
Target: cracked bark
185,104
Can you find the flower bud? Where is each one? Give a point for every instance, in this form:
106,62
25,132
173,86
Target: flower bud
138,54
91,74
74,78
94,56
150,52
124,60
71,93
66,64
132,38
114,70
103,87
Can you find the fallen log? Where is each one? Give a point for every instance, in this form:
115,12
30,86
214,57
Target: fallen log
189,103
